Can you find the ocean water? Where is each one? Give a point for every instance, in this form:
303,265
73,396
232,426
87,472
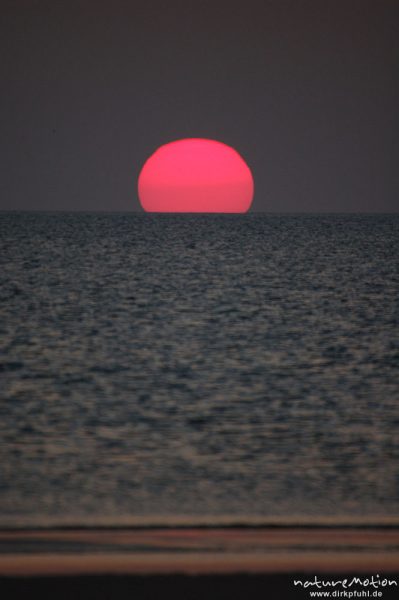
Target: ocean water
198,367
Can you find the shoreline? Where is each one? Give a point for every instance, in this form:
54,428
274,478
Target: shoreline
202,522
230,563
197,551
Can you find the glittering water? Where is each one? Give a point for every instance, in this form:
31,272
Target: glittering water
183,365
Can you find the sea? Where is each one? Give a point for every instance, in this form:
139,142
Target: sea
198,369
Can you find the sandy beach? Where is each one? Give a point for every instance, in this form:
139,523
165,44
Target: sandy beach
195,563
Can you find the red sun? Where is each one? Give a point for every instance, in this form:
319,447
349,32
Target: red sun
195,175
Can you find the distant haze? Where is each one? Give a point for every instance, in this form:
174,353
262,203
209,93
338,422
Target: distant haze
306,91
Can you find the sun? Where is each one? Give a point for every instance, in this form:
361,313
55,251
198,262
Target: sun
196,175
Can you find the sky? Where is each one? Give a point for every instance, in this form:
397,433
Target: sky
307,91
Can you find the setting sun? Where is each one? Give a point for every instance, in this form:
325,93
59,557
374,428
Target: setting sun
195,175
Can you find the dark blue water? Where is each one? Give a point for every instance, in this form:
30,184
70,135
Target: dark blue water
166,366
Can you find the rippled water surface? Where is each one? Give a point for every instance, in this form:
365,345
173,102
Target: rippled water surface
183,365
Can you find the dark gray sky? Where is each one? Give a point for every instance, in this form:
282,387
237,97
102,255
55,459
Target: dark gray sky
306,90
